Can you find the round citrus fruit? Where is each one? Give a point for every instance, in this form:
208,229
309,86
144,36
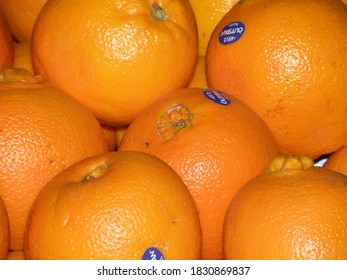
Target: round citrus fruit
208,13
292,211
42,131
21,16
118,205
116,57
287,60
6,44
215,143
337,161
22,56
4,231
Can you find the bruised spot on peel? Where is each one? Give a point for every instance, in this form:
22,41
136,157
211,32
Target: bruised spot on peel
173,120
95,173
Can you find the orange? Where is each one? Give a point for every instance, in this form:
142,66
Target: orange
22,56
118,205
199,77
116,57
42,131
4,231
215,143
6,44
208,13
338,161
282,59
21,15
292,211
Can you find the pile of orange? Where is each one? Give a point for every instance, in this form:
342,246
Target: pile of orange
214,143
42,132
185,117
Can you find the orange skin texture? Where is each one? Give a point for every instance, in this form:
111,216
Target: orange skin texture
120,58
290,68
289,215
222,148
42,131
4,231
338,161
135,203
6,44
21,16
208,13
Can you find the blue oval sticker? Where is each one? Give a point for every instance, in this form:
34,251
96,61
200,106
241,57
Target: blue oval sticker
217,97
232,33
152,253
